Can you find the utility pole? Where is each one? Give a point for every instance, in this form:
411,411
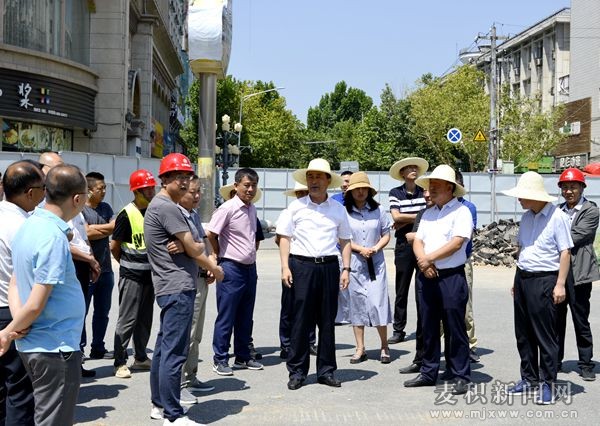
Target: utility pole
493,132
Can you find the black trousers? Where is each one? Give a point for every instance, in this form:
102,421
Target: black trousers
405,262
314,291
578,301
82,271
535,325
286,319
418,359
16,392
444,298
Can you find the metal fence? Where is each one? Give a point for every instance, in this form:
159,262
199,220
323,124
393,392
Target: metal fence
274,182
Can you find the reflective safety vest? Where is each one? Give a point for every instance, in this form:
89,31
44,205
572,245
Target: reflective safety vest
133,255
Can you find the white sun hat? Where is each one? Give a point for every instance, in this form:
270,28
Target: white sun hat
297,187
226,190
421,164
443,172
318,165
530,187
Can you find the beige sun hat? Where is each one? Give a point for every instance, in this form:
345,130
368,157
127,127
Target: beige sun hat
318,165
530,187
443,172
226,190
360,180
421,164
297,187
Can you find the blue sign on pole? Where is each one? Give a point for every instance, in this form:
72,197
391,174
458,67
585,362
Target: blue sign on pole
454,135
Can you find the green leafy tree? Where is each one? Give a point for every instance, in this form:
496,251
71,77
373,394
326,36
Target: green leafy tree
343,104
271,134
384,135
439,104
526,131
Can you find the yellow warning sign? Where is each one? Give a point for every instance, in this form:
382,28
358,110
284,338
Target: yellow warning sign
479,137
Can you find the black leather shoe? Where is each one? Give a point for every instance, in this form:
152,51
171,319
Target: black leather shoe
396,338
446,376
411,369
295,383
313,350
461,386
87,373
418,381
330,381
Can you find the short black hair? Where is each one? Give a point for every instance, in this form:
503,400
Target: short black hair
346,172
93,178
246,172
19,177
64,181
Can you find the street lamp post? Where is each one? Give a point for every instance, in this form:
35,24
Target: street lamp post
250,96
227,155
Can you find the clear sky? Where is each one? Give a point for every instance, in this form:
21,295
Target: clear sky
307,46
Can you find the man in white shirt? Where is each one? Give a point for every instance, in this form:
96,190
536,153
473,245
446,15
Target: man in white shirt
24,183
440,249
310,228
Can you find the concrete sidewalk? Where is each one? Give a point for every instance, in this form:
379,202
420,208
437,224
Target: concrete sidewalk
371,392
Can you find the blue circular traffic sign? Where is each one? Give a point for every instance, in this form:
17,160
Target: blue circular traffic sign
454,135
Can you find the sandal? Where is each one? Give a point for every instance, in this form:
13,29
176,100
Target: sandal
356,358
385,356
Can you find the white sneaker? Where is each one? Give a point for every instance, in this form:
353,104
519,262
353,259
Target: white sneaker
156,413
122,372
182,421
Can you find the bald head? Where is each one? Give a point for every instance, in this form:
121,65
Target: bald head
49,160
24,184
63,182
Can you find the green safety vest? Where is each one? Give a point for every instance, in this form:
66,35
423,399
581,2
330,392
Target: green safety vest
134,255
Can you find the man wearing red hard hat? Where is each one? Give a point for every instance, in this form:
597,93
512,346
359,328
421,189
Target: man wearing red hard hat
174,278
583,216
136,294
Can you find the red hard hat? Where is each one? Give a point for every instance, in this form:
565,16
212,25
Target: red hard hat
175,162
141,179
572,175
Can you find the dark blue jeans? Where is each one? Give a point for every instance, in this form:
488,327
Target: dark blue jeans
235,306
101,291
170,352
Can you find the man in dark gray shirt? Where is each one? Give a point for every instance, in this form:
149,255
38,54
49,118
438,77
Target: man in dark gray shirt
174,278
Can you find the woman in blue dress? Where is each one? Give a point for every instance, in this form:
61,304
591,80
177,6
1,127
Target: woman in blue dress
369,300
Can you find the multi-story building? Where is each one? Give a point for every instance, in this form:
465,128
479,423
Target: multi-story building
92,76
534,61
583,122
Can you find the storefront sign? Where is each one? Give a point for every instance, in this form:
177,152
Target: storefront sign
26,96
564,162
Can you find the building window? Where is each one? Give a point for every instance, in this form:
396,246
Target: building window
57,27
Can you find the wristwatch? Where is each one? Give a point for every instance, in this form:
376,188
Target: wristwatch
347,268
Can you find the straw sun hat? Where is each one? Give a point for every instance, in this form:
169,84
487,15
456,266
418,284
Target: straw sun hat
318,165
360,180
530,187
297,187
443,172
226,190
421,164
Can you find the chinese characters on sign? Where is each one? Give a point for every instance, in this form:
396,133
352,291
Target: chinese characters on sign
498,394
24,91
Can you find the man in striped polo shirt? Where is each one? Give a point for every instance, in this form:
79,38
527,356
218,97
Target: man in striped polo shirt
406,201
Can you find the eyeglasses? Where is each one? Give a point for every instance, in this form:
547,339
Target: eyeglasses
183,177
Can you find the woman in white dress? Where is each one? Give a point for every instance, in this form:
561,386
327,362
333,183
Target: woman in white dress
369,300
